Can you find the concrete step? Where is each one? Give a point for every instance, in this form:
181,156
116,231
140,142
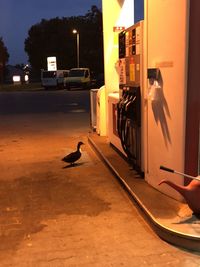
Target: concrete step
173,221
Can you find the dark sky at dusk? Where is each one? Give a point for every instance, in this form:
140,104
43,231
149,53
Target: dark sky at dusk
17,16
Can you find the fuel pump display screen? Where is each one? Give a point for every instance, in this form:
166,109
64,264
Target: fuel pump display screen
122,46
130,42
133,52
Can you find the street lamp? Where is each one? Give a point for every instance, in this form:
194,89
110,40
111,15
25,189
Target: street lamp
77,43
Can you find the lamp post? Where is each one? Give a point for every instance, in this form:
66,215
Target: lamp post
77,43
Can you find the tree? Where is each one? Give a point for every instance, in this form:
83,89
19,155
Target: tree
4,56
92,41
54,37
19,66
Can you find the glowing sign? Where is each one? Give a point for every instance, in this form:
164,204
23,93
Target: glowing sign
118,28
16,78
26,78
51,63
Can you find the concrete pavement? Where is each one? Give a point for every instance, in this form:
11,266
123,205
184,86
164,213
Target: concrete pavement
53,215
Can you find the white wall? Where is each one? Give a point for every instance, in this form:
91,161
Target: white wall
167,23
115,13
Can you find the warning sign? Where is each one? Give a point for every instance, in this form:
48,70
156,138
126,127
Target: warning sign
132,69
122,71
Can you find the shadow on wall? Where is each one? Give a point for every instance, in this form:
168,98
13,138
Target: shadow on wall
160,107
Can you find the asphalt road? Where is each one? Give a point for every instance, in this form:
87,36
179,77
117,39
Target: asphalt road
44,102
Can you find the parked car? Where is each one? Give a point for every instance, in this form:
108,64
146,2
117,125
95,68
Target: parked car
55,78
78,77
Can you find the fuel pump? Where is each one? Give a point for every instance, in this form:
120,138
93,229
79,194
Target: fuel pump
128,124
129,106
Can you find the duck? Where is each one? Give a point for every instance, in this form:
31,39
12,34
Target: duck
73,156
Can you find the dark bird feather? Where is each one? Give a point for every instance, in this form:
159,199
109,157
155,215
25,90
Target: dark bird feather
74,156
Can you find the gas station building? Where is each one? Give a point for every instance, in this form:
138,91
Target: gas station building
149,106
